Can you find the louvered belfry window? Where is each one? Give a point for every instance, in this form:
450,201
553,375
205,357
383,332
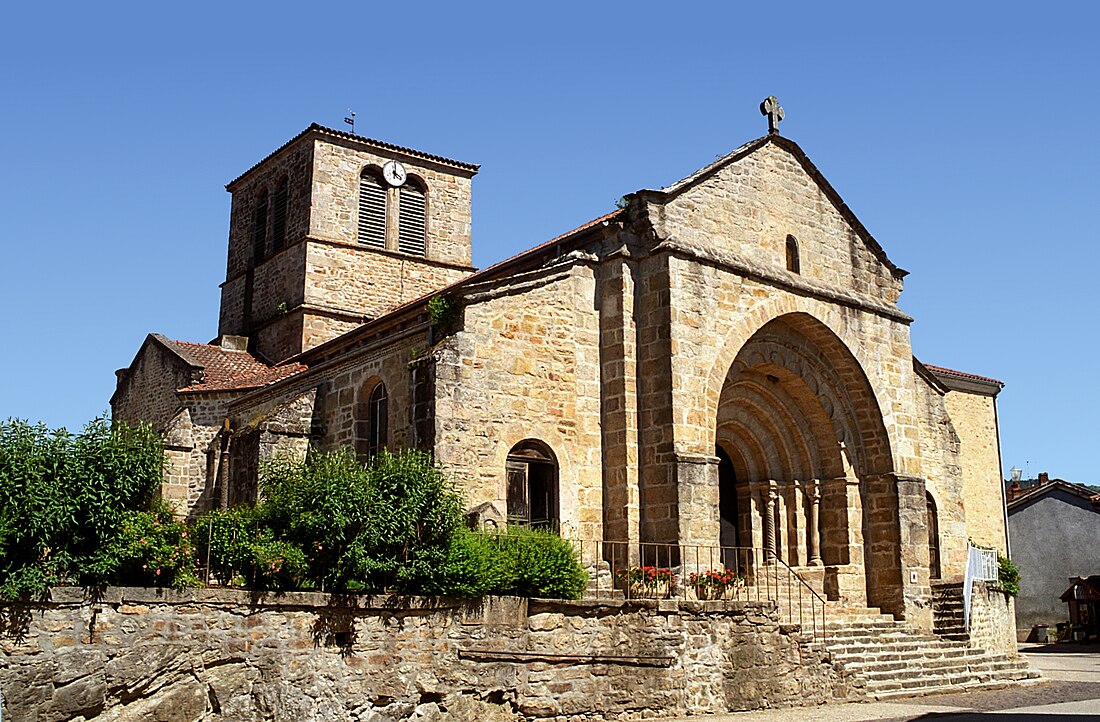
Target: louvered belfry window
259,228
372,210
411,223
278,217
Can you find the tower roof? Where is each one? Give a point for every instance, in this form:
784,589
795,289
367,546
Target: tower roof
320,130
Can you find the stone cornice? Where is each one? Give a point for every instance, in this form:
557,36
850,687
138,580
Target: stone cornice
397,255
748,268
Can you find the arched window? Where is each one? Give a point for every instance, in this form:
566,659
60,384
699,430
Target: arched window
371,418
377,419
372,210
532,485
278,216
793,264
411,224
933,539
259,228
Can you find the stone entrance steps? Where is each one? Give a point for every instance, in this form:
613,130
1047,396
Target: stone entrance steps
896,660
947,611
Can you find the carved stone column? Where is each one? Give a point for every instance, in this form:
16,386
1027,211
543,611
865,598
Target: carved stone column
769,522
815,522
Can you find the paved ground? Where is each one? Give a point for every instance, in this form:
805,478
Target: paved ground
1070,692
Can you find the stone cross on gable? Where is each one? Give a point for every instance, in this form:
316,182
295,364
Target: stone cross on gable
770,107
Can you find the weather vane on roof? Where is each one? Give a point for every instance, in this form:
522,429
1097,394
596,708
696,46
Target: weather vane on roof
770,107
350,120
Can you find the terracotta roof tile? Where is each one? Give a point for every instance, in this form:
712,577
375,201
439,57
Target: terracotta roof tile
224,370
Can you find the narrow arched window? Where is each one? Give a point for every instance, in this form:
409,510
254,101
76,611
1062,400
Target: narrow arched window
532,485
259,228
377,419
793,264
372,210
411,224
278,216
933,538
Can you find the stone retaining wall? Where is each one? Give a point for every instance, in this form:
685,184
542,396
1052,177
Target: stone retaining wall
207,654
993,620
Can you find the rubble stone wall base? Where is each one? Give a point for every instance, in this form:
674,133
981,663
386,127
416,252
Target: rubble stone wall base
209,654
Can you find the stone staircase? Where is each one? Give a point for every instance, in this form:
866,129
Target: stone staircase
896,660
947,611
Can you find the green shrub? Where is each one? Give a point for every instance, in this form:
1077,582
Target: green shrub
1008,575
539,563
150,549
222,542
473,568
241,550
277,564
65,497
387,525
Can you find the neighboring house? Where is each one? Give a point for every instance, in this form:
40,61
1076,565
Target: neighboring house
1054,530
720,361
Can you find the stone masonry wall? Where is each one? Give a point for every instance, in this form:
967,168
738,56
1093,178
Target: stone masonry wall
148,392
717,310
975,418
526,366
367,282
205,655
992,620
940,461
294,162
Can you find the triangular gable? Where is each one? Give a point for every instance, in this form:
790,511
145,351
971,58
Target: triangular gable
669,193
162,344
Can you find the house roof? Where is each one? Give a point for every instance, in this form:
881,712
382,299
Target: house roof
222,369
1083,589
381,144
1040,490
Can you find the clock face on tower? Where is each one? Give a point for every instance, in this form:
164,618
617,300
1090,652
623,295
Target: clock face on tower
394,173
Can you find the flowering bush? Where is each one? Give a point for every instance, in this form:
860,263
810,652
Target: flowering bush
721,579
647,575
151,549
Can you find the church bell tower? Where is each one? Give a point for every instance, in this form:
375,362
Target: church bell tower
333,230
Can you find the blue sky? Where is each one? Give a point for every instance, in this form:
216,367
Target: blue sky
962,134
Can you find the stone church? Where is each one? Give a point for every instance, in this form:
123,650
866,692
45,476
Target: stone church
721,361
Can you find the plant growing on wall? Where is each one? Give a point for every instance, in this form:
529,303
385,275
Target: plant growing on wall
443,313
1008,575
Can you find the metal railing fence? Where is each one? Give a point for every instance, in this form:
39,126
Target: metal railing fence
704,573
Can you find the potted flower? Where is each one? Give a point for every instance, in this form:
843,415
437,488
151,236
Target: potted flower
646,582
715,584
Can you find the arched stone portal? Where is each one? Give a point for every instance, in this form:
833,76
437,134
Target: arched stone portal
810,463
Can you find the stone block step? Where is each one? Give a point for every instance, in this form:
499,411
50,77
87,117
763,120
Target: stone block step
902,657
872,641
954,682
893,659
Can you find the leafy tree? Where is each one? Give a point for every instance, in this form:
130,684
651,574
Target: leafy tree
64,499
